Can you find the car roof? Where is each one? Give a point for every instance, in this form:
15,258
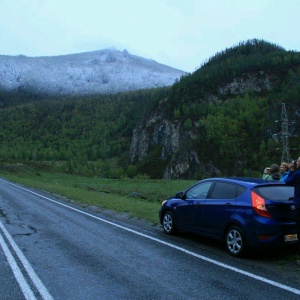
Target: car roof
247,181
252,180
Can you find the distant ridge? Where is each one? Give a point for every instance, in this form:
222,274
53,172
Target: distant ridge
106,71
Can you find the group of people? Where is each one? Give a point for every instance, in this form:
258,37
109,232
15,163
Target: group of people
290,174
274,172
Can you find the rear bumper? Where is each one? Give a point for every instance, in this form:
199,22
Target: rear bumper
266,232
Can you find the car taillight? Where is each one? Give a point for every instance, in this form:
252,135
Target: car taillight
259,205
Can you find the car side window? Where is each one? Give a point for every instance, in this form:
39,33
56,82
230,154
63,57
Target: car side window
199,191
224,190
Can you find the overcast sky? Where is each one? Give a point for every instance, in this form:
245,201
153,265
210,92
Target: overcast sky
179,33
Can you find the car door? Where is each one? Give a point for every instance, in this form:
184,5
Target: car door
219,206
189,212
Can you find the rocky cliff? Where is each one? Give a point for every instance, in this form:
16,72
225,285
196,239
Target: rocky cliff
176,141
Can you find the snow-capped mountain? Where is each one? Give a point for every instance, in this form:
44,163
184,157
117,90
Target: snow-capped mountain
98,72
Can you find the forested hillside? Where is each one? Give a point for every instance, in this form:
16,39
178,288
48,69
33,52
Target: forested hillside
219,121
89,136
224,115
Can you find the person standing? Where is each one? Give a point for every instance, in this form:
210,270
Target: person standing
293,179
284,171
271,173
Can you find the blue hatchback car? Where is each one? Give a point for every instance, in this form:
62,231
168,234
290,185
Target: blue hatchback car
243,212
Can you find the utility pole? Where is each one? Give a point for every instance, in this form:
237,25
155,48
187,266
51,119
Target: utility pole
285,135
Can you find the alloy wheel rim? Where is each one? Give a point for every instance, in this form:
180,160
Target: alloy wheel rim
168,223
234,241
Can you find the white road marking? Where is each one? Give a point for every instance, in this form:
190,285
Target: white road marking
31,273
26,290
215,262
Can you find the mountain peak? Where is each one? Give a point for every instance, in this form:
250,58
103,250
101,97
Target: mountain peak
104,71
126,53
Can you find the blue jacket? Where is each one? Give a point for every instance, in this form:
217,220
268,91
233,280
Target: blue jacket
284,176
294,180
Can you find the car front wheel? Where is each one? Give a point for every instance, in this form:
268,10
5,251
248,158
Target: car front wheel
235,241
169,223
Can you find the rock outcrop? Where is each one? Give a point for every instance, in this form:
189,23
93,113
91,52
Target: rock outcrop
176,141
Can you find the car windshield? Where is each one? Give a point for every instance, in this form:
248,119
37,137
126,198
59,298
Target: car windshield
275,192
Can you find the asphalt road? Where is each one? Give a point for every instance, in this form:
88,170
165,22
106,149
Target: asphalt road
53,249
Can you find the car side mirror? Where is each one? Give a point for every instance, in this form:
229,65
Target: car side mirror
179,195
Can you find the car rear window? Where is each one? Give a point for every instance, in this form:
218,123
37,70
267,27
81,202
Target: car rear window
275,192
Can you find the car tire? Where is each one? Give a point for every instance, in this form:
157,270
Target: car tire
169,223
235,241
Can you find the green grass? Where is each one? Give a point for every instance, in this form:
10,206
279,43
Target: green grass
140,198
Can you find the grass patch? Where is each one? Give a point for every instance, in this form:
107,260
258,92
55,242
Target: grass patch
139,198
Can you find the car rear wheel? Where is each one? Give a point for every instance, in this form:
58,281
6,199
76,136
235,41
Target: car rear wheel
235,241
169,223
